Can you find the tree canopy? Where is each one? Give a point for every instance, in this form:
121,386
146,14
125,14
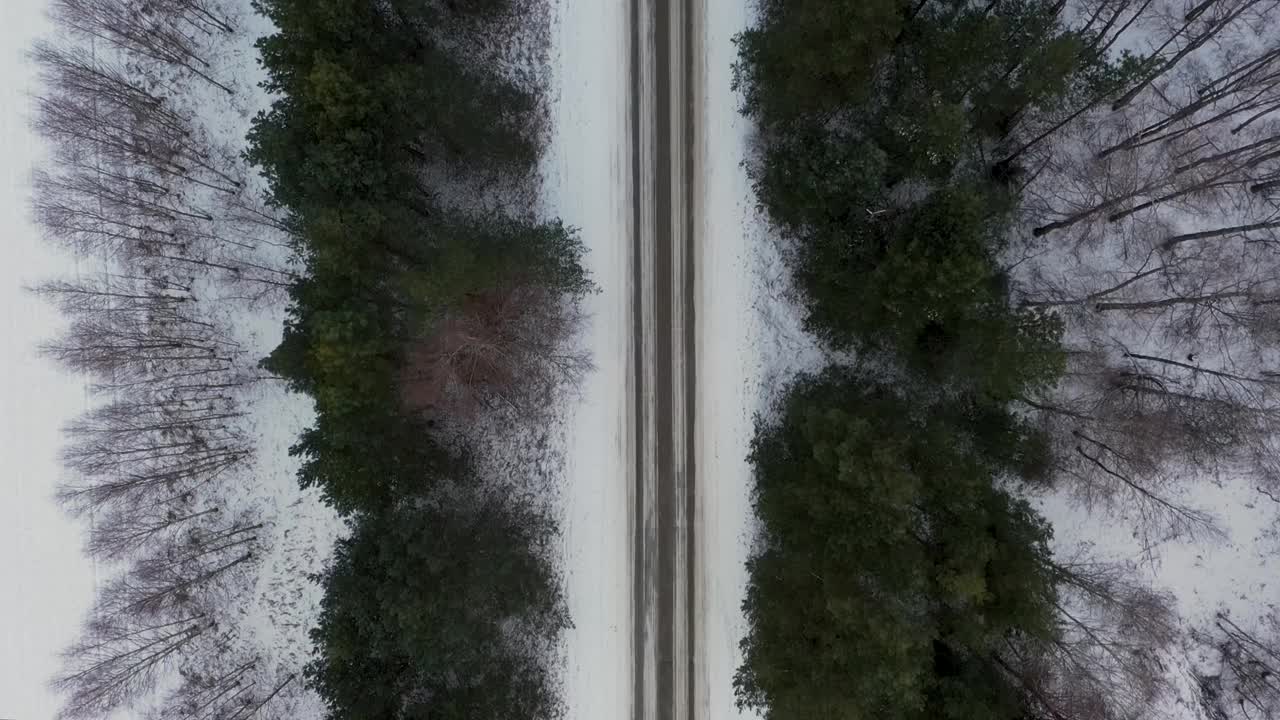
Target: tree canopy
892,567
439,610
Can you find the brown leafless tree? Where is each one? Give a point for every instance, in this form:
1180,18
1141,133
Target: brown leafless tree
107,88
106,347
253,704
176,578
1189,108
110,292
80,130
203,15
106,477
151,227
117,660
1246,685
108,131
140,29
1133,435
207,691
1200,26
1119,197
121,533
506,348
1241,96
1107,659
147,454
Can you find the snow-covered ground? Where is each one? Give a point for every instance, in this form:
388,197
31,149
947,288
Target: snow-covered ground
729,363
1205,574
587,179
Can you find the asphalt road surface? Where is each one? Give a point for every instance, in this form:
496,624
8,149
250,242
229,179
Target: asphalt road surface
662,43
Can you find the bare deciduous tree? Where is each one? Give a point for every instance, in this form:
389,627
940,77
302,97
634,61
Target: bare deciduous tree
1135,432
505,348
1200,25
177,577
1107,660
208,691
110,89
139,28
108,478
146,455
107,346
115,661
1246,685
122,533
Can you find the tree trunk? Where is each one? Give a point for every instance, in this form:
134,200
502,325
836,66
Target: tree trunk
1220,232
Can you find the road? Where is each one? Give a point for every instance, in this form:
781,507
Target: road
662,136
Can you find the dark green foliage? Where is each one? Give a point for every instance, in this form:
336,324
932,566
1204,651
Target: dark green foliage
924,282
365,93
813,59
881,64
475,256
368,466
369,100
881,122
892,567
895,569
442,604
437,609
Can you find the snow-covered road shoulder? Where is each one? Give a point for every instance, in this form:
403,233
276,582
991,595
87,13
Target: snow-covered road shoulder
587,183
